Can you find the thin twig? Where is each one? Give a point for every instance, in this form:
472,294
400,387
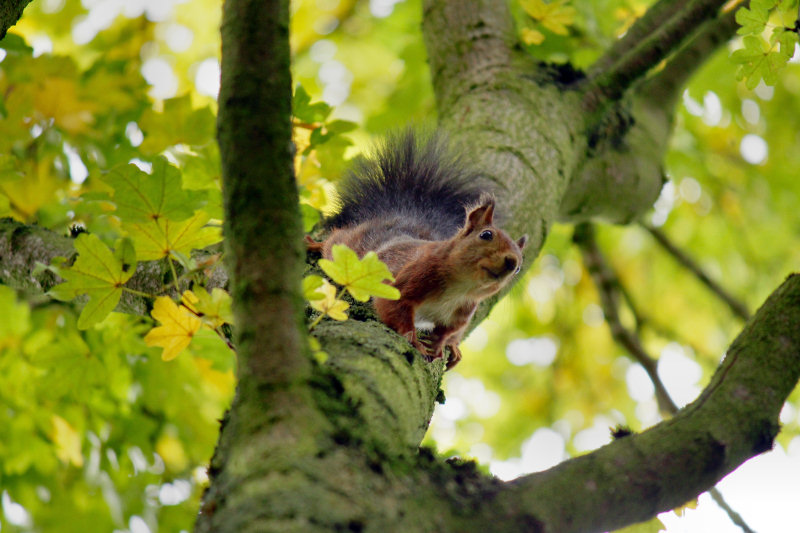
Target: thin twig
609,287
736,306
735,517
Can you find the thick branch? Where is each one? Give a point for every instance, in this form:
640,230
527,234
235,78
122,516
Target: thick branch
666,86
654,18
498,104
734,419
262,223
274,428
623,174
23,246
10,12
611,83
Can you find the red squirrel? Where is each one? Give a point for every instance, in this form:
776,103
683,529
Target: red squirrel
424,214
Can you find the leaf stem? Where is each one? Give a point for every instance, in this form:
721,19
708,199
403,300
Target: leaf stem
174,272
139,293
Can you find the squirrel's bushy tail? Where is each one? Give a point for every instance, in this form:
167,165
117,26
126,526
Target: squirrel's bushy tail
411,175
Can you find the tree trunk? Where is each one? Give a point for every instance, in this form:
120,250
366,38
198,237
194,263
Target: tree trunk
335,447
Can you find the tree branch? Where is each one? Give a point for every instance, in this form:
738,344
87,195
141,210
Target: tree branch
23,246
608,285
654,18
666,86
274,428
262,221
10,12
736,306
628,139
668,28
735,418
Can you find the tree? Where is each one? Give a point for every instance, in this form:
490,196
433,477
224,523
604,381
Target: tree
332,446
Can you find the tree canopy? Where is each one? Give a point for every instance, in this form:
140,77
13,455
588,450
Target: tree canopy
117,351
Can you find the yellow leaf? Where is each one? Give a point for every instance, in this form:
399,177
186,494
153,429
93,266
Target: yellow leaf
555,16
58,99
329,304
67,441
155,239
214,308
362,277
531,36
681,511
222,383
30,187
171,451
178,327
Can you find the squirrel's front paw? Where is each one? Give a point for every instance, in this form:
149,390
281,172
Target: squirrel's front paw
411,337
455,356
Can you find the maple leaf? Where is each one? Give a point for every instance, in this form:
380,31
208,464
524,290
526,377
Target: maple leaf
555,16
330,305
178,327
361,277
97,273
141,197
214,309
155,239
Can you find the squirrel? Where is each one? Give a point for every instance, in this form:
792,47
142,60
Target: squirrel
422,211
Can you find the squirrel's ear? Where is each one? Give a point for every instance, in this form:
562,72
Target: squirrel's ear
480,216
522,242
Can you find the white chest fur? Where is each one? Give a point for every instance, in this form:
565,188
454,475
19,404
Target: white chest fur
444,309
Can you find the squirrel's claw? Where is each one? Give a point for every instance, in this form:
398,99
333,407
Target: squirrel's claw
455,356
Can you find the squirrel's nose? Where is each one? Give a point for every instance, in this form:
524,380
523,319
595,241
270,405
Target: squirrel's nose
511,263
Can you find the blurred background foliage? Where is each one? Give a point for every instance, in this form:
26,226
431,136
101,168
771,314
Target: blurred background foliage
100,434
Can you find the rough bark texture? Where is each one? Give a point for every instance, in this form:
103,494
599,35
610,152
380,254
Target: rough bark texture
335,447
24,248
274,428
10,12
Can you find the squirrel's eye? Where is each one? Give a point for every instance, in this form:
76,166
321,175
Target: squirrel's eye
486,235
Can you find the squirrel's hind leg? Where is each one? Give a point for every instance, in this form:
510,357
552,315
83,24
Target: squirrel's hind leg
399,316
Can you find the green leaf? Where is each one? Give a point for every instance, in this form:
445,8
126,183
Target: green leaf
97,273
310,285
362,277
140,196
753,20
305,111
310,217
787,40
14,43
125,253
178,124
16,317
155,239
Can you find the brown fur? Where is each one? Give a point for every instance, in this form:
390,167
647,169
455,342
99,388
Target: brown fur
441,282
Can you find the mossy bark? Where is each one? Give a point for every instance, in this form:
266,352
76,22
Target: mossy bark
10,12
334,447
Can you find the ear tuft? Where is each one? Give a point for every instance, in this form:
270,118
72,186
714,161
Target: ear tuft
522,242
481,215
